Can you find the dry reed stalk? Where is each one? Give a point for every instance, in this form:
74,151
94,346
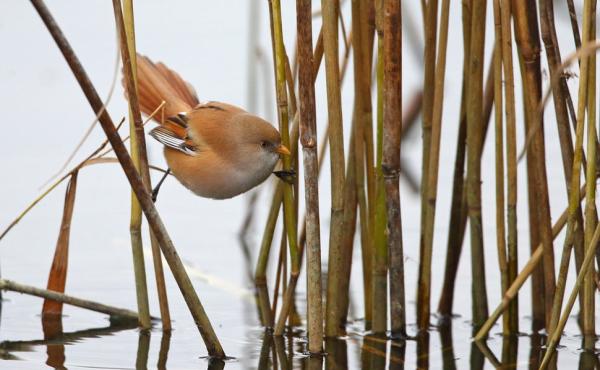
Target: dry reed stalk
527,39
289,209
585,266
459,211
135,222
511,160
380,257
474,140
432,168
114,312
392,131
591,216
562,100
185,285
308,138
424,285
362,119
57,278
527,270
575,171
499,159
336,143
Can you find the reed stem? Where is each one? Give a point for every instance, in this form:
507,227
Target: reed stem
392,132
185,285
308,138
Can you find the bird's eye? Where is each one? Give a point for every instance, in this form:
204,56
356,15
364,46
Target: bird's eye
264,144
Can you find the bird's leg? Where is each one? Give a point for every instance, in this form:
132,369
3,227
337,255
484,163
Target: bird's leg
288,176
157,187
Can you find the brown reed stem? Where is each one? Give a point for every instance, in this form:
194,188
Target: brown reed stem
58,271
474,139
432,168
499,159
424,285
585,266
114,312
392,131
591,217
308,138
334,107
527,38
511,160
459,212
527,270
185,285
362,120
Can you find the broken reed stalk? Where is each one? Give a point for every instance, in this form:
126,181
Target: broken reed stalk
58,271
392,131
585,267
289,211
185,285
474,139
308,138
333,316
114,312
511,160
139,152
380,256
432,167
527,270
499,159
135,223
424,285
528,43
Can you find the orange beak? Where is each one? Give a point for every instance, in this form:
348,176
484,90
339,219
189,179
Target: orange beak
281,149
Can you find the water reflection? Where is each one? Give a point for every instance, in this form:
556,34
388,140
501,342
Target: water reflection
354,352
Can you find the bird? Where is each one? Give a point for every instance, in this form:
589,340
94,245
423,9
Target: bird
215,149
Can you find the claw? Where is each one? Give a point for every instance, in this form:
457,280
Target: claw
287,176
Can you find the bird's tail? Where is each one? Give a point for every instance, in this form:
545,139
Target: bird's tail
158,83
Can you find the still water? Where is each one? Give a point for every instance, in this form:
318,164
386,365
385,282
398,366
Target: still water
212,47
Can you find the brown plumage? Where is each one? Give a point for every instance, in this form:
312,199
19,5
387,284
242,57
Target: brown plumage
215,149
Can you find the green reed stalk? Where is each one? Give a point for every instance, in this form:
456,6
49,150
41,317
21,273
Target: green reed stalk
527,37
527,270
585,267
591,217
183,281
289,212
138,137
432,168
380,260
336,140
424,285
511,160
362,120
474,139
392,131
499,157
135,223
308,138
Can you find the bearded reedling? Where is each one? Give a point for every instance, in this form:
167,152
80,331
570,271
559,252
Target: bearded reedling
215,149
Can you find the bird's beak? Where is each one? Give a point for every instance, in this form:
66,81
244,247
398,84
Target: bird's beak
281,149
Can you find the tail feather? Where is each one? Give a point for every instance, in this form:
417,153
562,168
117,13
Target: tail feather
158,83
